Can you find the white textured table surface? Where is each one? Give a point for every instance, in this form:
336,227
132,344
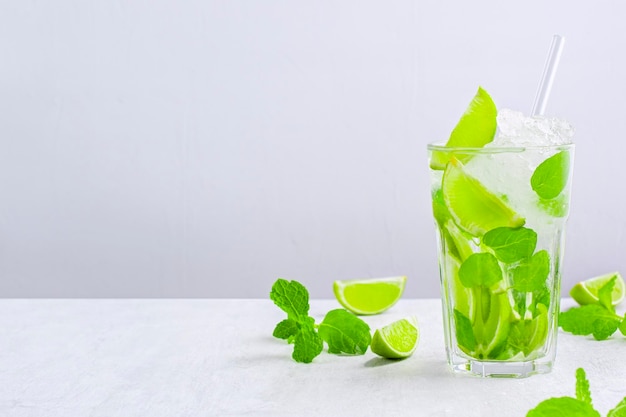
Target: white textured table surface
218,358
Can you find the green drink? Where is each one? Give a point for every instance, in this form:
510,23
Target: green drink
500,209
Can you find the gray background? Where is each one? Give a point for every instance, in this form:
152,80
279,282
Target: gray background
205,148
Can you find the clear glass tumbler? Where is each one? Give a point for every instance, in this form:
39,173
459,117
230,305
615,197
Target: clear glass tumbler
500,214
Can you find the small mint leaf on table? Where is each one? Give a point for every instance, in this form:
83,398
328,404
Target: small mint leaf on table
591,319
579,320
568,406
510,244
292,297
603,328
286,329
307,343
583,393
563,407
345,333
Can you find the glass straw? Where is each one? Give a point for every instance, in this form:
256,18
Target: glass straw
543,93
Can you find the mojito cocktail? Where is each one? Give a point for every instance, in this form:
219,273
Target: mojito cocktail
500,209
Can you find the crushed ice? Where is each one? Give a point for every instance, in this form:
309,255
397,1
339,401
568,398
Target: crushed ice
515,129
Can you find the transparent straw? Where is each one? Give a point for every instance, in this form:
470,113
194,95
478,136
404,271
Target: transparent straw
543,93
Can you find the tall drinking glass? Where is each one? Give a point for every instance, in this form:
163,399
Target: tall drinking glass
500,214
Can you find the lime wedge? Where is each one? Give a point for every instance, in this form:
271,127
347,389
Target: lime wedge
473,207
397,340
369,296
476,128
586,292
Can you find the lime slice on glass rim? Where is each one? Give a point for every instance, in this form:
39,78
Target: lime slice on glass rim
476,128
473,207
397,340
369,296
586,292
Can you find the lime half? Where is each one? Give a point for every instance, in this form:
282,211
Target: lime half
397,340
369,296
586,292
473,207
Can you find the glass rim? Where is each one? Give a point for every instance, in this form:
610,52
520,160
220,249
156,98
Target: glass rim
441,147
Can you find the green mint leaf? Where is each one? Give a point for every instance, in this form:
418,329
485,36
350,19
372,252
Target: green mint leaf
286,330
532,274
480,269
579,320
299,329
345,333
605,294
563,407
307,343
568,406
292,297
550,177
622,325
511,245
604,327
592,319
464,332
619,410
583,393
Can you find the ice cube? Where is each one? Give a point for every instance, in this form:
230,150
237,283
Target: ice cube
515,129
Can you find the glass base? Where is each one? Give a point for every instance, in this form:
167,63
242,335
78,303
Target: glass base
500,369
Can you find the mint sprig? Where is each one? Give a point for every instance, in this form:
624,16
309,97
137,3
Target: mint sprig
342,331
581,406
599,319
299,329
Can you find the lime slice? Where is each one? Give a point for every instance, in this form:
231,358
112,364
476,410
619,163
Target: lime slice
586,292
462,297
476,128
369,296
473,207
493,315
397,340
